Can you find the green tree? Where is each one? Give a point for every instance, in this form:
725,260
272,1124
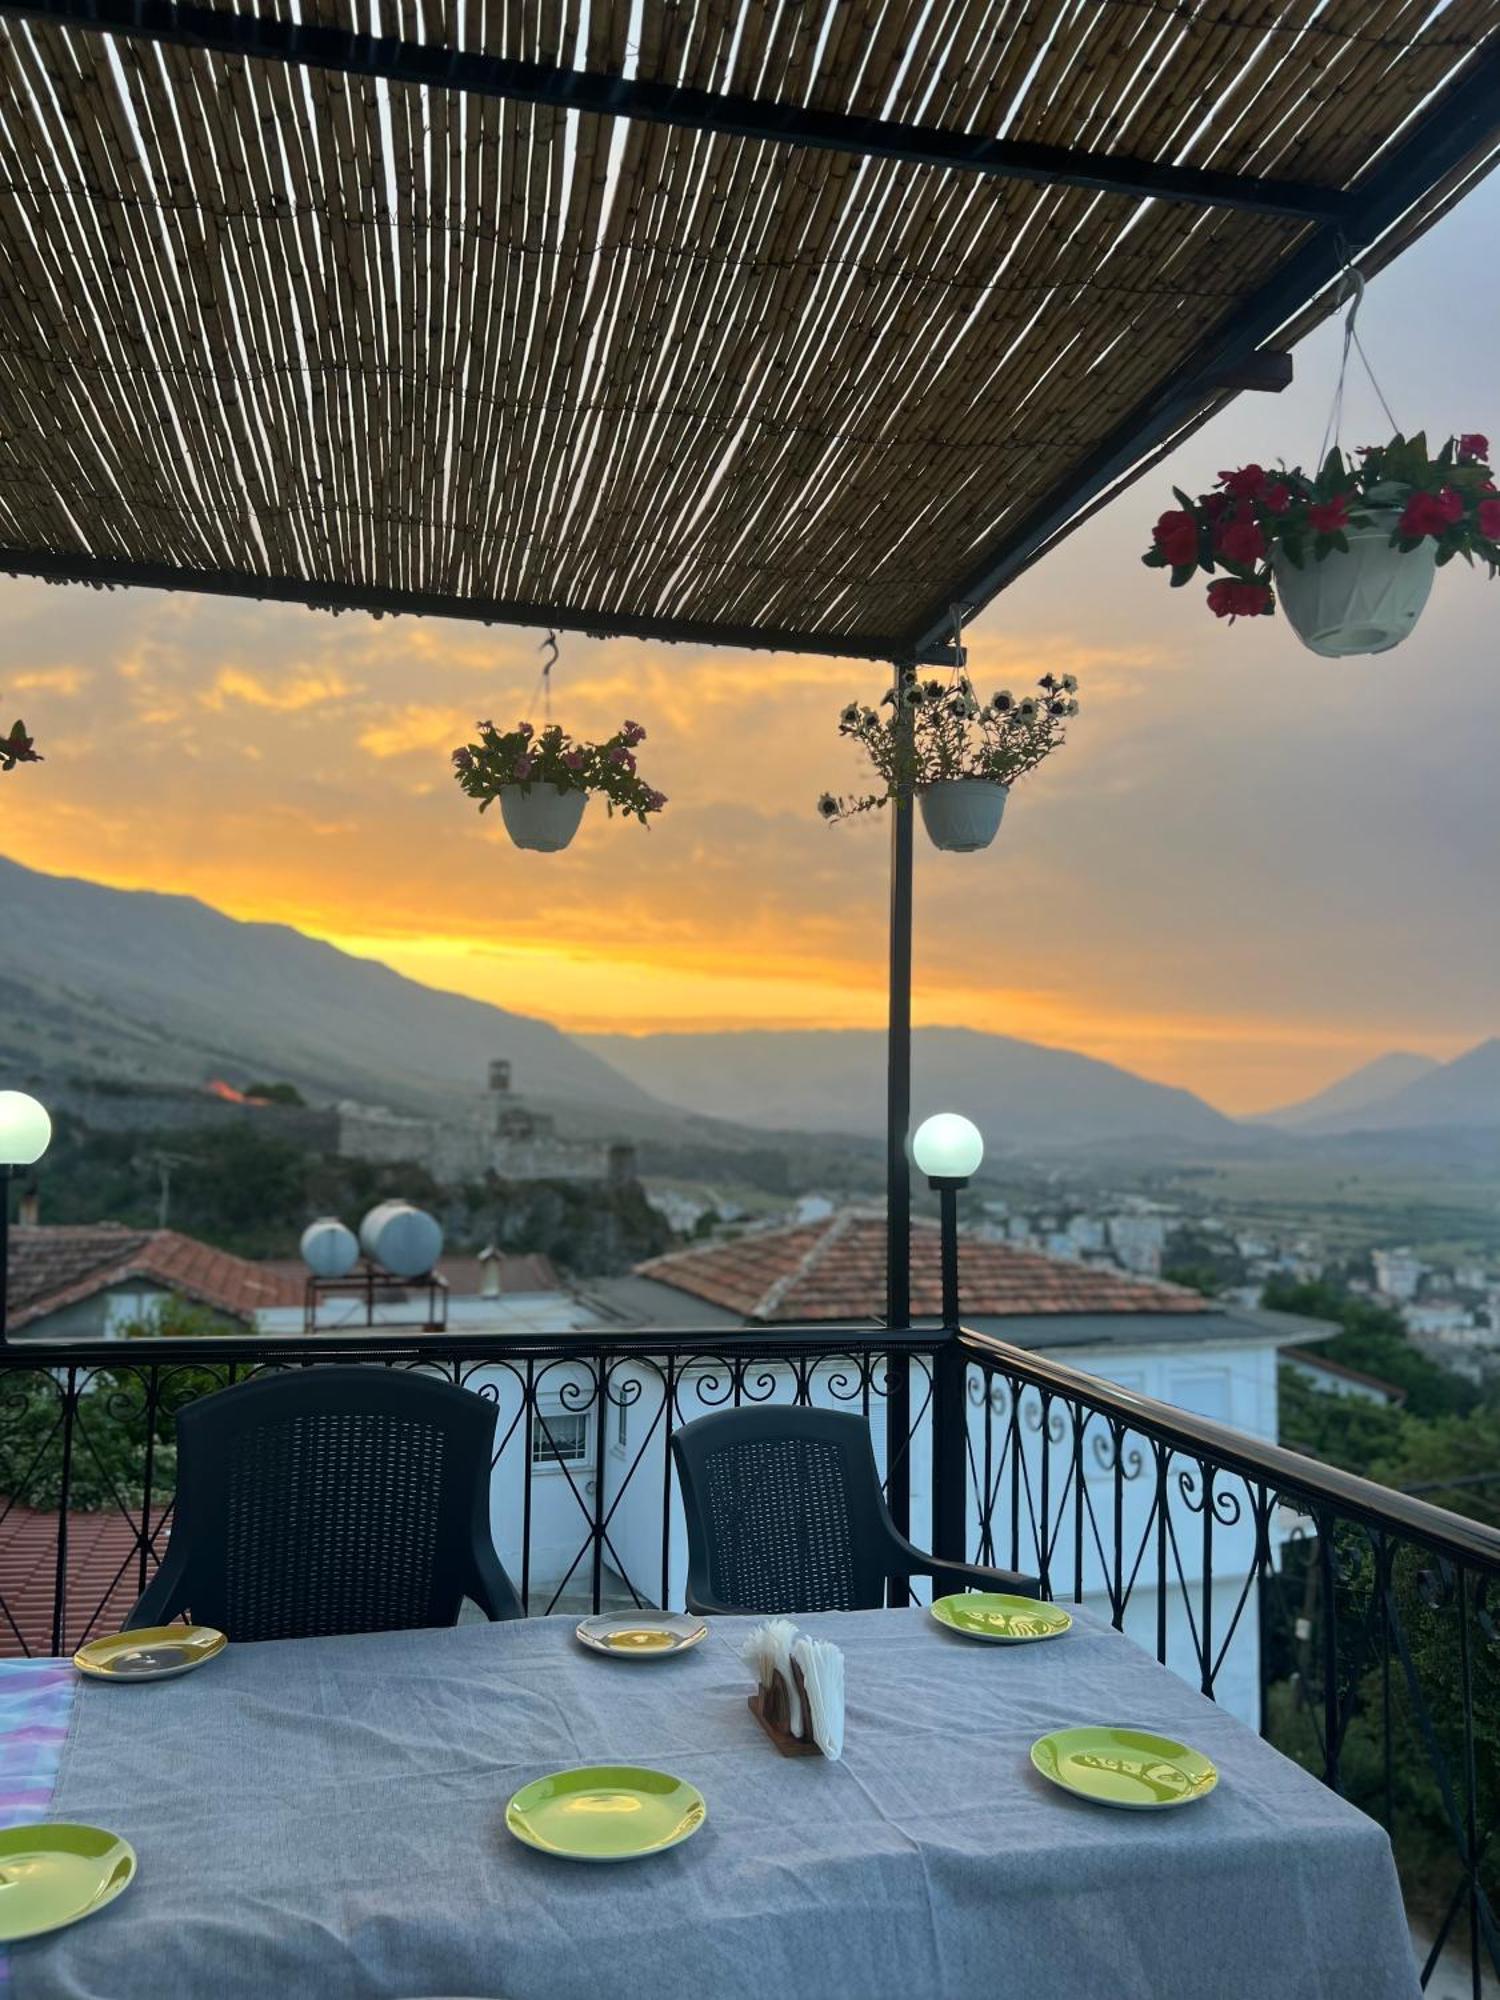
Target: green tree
1374,1340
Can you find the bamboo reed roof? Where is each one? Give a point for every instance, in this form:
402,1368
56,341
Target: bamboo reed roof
373,322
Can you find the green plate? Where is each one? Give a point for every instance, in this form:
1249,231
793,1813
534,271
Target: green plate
150,1652
607,1812
1002,1620
55,1873
1124,1767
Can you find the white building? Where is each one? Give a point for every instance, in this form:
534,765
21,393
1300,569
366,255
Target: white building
1398,1274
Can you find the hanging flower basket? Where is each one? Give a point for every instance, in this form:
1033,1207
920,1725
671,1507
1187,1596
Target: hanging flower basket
962,815
543,782
1352,551
542,817
1364,599
959,757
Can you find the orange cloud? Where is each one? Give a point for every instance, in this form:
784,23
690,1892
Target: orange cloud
285,697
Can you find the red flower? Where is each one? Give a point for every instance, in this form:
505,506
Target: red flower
1276,499
1176,536
1452,503
1329,517
1240,540
1489,520
1428,514
1228,598
1249,483
1471,446
1215,505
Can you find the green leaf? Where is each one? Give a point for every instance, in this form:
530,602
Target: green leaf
1183,573
1295,551
1333,466
1187,506
1154,559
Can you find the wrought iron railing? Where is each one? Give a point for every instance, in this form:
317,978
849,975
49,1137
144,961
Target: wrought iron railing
1368,1620
1355,1626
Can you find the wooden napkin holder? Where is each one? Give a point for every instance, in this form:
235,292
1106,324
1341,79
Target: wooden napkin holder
773,1711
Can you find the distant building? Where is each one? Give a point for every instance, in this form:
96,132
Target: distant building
1138,1241
1398,1274
501,1135
1437,1316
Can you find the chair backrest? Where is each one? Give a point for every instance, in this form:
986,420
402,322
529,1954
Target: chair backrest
331,1499
784,1510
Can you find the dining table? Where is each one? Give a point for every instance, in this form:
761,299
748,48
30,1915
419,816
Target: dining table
326,1817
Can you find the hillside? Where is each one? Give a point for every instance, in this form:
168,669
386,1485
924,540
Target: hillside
100,982
1024,1097
1371,1084
1458,1096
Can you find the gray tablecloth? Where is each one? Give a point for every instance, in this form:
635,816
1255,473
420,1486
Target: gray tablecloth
325,1818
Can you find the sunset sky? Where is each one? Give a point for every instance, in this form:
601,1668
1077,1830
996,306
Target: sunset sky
1248,871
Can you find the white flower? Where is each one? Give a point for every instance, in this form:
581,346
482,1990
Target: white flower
1003,702
1070,683
828,806
850,717
1026,709
1072,708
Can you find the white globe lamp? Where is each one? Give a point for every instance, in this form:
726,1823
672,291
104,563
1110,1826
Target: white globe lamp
948,1148
25,1134
25,1129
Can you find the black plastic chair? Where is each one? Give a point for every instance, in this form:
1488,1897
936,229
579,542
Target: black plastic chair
785,1515
327,1500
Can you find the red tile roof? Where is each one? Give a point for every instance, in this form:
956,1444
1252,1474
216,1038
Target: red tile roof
53,1266
835,1270
103,1572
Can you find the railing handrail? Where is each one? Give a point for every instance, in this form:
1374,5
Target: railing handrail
364,1344
1273,1465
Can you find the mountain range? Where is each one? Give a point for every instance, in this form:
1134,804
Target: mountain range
129,986
1024,1097
132,986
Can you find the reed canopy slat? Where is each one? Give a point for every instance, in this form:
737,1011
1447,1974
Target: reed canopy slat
758,322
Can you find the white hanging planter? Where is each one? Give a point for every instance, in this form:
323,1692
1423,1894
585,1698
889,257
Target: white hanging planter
543,818
963,814
1364,602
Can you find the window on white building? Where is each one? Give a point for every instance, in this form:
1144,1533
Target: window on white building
622,1427
560,1437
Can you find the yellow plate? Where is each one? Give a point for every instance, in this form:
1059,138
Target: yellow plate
1130,1768
55,1873
1000,1619
150,1653
608,1812
637,1635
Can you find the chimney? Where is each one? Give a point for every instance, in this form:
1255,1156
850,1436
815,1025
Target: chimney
29,1209
489,1276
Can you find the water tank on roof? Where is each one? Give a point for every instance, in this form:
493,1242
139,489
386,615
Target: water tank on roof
403,1240
329,1248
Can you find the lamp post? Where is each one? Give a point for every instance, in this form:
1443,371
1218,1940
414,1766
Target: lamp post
948,1149
25,1133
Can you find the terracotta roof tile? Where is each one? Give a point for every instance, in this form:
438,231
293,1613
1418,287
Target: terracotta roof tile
103,1572
53,1266
835,1270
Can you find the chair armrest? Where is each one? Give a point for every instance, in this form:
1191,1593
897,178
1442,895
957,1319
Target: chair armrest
976,1576
164,1600
703,1604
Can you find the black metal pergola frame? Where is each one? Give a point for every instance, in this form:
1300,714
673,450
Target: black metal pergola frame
1461,129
